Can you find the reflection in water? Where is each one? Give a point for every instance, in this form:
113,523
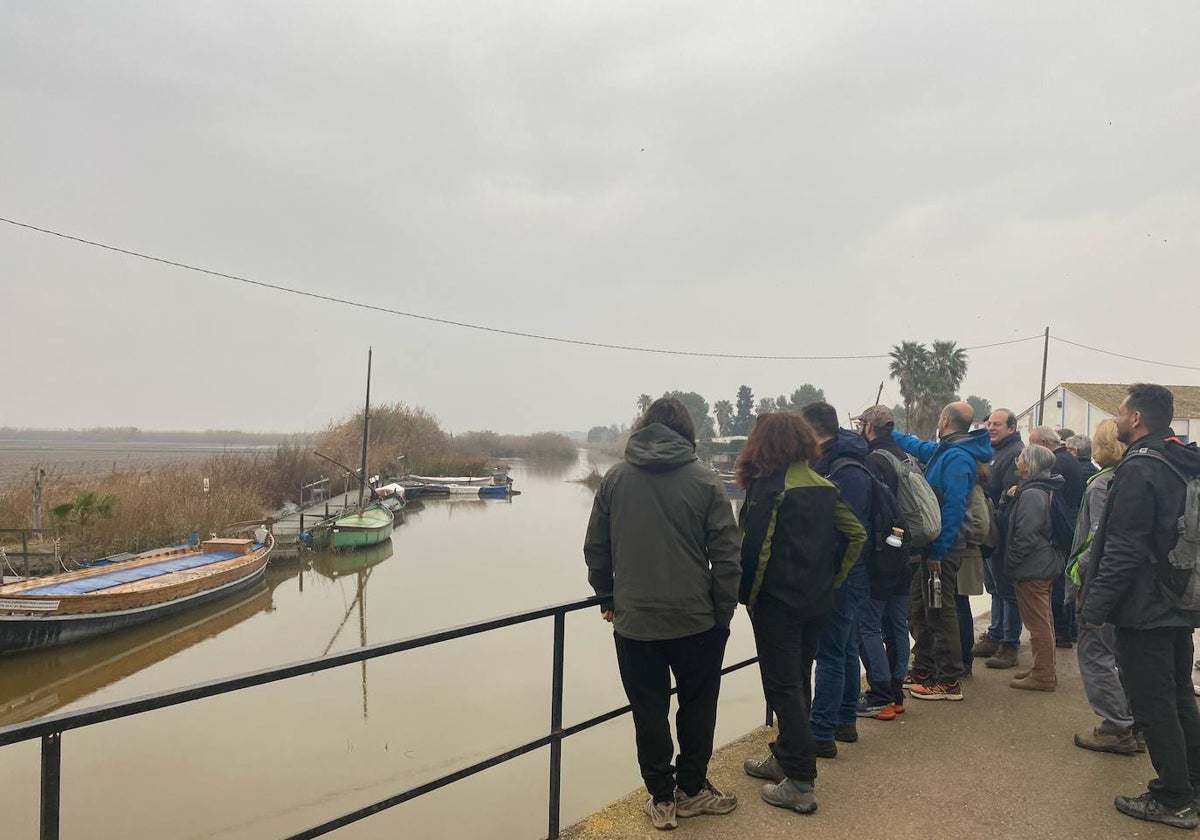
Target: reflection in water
38,683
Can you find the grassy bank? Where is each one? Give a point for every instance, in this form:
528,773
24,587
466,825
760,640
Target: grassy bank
134,509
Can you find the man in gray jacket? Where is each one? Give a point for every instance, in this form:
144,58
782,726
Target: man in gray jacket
662,543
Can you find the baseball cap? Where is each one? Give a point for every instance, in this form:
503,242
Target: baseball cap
877,415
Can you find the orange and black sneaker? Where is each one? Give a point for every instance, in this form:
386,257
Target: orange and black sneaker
937,691
912,679
898,708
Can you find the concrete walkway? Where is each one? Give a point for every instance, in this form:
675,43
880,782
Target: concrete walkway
1000,764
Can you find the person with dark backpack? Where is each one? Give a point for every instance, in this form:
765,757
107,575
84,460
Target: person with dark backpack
836,686
1144,560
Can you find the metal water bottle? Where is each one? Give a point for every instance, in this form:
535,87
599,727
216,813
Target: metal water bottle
935,586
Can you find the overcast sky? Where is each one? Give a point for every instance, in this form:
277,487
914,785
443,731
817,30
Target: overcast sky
759,178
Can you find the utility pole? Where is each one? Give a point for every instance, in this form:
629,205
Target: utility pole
1042,392
38,475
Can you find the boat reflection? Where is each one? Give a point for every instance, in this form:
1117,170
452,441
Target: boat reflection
40,682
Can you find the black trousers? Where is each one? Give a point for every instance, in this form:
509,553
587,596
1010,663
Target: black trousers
1156,670
937,645
787,646
646,669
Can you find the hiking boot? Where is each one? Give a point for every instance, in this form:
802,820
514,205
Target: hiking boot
662,814
1060,642
767,768
1146,807
938,691
1110,742
846,734
1020,675
1004,657
1030,684
824,749
985,647
870,710
796,796
707,800
1140,740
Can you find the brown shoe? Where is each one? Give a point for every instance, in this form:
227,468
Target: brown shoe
1030,684
1004,657
1020,675
985,646
1101,741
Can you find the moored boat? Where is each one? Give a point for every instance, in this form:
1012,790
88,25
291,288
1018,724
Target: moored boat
56,610
355,528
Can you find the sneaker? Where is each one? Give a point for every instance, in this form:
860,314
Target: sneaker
707,800
985,647
768,768
796,796
1004,657
870,710
662,814
845,734
1030,684
913,679
888,712
1110,742
938,691
824,749
1146,807
898,708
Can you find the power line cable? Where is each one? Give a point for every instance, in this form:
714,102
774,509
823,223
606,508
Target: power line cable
479,327
1121,355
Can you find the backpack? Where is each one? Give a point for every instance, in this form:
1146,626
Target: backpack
1062,524
885,563
984,530
919,505
1179,579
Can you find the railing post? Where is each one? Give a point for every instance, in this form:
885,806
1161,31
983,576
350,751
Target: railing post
556,707
51,779
25,550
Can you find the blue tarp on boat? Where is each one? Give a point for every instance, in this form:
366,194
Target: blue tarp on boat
119,576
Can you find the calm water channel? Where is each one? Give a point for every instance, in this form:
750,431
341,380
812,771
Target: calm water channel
270,761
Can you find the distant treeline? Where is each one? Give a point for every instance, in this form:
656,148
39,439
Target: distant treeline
132,434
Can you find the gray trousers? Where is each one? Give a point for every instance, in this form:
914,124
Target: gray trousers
1097,650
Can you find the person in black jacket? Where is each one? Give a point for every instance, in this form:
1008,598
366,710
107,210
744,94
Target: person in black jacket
1138,529
794,528
1000,642
1081,447
1066,465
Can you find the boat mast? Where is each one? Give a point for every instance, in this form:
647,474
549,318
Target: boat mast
366,426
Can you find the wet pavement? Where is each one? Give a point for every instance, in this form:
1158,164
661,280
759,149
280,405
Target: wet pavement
1000,764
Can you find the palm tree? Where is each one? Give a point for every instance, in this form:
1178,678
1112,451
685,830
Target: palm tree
950,364
723,409
910,369
643,403
83,506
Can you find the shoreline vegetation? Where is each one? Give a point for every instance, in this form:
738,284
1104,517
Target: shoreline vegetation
143,507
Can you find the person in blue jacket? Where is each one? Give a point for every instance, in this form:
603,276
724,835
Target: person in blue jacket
951,464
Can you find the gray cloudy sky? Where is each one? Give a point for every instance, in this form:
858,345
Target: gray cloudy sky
764,178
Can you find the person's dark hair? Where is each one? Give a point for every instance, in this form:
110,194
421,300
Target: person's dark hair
778,439
1156,403
671,413
960,420
1011,419
822,417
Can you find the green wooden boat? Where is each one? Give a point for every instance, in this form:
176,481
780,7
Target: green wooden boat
354,529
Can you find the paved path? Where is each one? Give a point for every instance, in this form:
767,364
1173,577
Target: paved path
1000,764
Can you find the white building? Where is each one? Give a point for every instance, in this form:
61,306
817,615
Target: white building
1080,406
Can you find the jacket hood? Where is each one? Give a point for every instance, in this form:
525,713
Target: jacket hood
658,449
1184,457
977,443
846,445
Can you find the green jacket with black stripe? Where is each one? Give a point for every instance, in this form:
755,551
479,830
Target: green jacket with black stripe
799,540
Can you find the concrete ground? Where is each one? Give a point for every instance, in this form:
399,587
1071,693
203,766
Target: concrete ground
999,764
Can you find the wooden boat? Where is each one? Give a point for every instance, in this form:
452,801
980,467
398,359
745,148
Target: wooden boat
367,524
355,528
34,686
498,479
56,610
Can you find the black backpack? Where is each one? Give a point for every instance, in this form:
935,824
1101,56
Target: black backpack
885,563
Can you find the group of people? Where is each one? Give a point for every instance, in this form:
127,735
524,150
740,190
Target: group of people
861,548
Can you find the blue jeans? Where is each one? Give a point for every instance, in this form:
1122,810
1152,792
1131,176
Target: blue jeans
880,619
836,689
1006,618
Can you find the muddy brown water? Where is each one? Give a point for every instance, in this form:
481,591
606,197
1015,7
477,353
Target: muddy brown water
270,761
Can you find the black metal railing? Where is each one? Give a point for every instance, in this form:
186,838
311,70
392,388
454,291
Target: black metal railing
50,729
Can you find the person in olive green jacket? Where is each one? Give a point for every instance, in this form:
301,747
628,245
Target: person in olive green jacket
662,543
